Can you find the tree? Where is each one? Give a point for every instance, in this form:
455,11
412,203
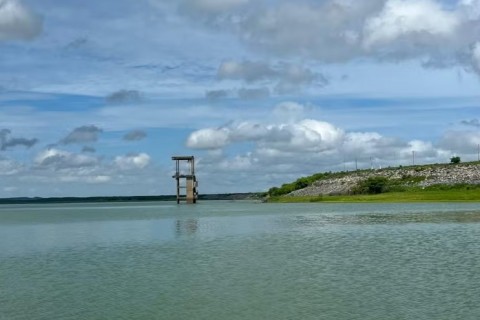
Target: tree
455,159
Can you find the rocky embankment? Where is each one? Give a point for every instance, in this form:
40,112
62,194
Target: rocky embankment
423,176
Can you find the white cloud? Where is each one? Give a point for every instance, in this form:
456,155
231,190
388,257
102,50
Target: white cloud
280,150
132,161
476,56
253,93
212,6
284,77
209,138
305,135
100,179
7,142
470,8
17,21
412,20
59,159
87,178
10,189
250,71
461,141
134,135
327,133
77,174
471,122
289,112
216,94
9,167
238,163
424,150
82,134
327,31
124,97
344,30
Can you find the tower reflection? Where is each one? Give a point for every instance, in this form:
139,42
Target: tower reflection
186,226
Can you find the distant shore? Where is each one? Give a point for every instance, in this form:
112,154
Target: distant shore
204,197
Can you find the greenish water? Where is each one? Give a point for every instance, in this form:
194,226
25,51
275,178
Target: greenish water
240,260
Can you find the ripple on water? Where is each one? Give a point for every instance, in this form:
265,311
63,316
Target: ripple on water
309,262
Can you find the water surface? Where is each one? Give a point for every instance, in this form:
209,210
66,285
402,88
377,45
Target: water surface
240,260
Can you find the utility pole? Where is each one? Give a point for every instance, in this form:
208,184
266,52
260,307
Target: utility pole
478,152
356,166
413,157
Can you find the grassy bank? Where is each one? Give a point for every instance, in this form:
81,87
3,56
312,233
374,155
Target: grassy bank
421,183
416,195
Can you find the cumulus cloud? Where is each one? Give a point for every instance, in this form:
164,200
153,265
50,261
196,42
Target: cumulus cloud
210,8
7,142
461,141
88,149
124,97
216,94
289,112
285,77
79,169
17,21
295,144
253,93
471,122
77,43
132,161
99,179
134,135
249,71
305,135
85,178
83,134
209,138
59,159
420,22
439,33
476,56
13,142
9,167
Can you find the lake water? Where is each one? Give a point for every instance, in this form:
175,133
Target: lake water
240,260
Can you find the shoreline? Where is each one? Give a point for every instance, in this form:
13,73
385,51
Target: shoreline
426,196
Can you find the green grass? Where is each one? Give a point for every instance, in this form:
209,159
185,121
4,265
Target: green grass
392,185
414,195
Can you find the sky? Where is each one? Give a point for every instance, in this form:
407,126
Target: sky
97,96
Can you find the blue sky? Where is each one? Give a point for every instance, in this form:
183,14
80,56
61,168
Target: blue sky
96,96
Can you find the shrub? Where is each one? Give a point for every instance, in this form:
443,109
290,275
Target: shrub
372,185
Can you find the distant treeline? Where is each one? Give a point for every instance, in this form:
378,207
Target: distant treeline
223,196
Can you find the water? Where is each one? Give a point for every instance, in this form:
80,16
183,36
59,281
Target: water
240,260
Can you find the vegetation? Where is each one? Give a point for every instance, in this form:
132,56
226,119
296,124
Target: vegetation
376,185
373,185
439,193
455,160
303,183
309,180
383,188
